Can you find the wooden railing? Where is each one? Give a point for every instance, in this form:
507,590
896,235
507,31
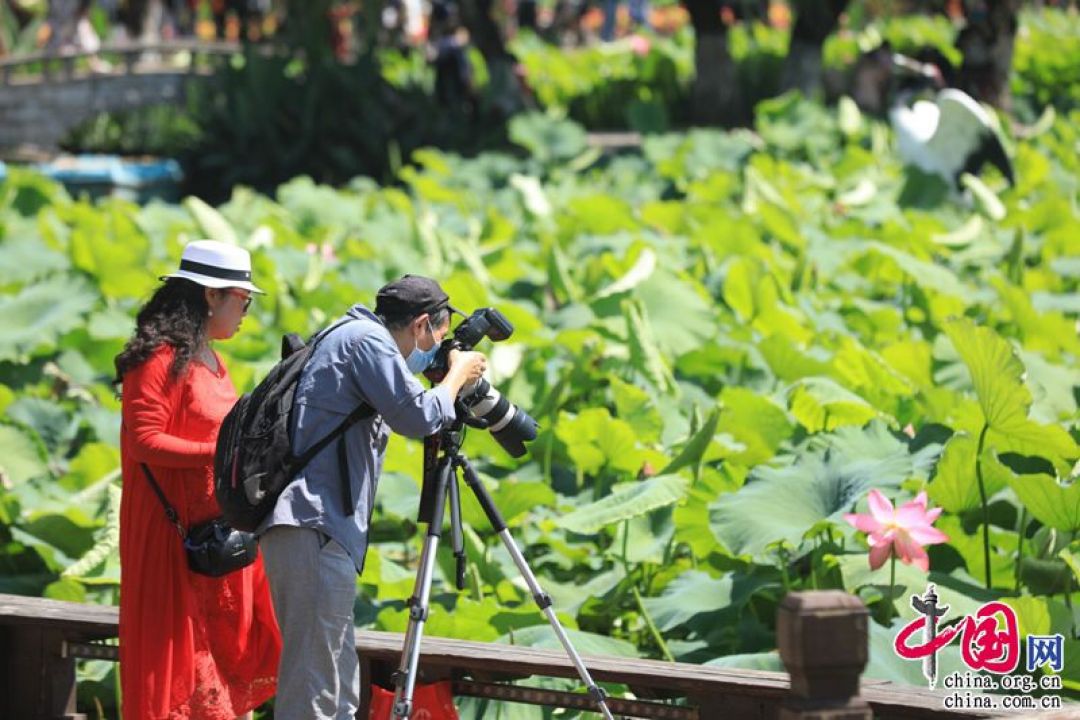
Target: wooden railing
822,638
124,59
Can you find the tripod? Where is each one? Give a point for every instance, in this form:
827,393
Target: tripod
444,486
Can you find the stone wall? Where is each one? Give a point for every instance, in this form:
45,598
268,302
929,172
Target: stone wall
40,114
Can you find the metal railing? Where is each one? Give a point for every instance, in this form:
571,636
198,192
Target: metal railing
187,55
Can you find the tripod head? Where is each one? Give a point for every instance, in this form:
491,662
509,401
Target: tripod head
447,442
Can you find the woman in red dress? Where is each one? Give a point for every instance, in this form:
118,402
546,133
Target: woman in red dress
191,646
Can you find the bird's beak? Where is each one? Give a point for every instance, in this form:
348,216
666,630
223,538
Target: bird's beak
913,67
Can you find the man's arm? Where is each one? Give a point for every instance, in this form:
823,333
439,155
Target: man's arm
397,395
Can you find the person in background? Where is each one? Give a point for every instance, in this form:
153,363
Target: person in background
639,17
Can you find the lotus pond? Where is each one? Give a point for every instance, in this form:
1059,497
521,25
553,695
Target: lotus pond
729,340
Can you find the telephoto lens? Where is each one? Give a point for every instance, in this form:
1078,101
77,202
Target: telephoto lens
511,426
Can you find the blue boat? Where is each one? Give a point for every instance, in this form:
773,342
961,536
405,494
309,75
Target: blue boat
111,175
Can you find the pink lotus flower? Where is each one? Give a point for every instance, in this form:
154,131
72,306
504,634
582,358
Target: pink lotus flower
640,45
901,531
326,250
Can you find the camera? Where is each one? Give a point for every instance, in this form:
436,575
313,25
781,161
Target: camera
480,404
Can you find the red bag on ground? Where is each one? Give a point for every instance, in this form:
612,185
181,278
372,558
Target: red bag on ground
434,701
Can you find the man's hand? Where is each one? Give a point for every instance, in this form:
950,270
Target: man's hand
465,369
473,364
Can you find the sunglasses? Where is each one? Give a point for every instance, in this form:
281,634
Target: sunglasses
242,294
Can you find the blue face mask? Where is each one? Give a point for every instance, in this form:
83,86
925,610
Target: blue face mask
420,360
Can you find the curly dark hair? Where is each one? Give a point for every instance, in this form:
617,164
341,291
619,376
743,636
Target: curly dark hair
175,314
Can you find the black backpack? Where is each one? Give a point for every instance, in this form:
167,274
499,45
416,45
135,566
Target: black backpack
254,459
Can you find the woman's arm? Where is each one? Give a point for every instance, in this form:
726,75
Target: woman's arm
150,398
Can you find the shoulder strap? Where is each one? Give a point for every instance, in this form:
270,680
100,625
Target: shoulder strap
318,337
170,511
362,411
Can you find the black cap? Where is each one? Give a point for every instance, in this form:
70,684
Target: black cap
409,296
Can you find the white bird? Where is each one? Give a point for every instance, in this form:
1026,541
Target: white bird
948,136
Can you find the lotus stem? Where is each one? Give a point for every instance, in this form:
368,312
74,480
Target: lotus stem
652,626
892,586
1020,546
985,505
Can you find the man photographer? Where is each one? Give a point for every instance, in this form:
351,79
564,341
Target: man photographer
315,538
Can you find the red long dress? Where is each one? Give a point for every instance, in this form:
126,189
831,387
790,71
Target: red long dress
191,646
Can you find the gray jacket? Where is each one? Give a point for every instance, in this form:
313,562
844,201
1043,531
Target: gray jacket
358,362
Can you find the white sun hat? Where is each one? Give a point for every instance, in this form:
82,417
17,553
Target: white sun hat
215,264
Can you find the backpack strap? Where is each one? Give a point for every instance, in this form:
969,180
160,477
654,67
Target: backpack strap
359,413
343,470
170,511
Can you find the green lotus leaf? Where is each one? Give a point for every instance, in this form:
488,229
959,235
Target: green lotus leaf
48,419
1046,331
695,448
930,276
108,245
595,440
23,259
955,486
997,376
1040,615
514,500
690,594
790,363
985,199
1072,560
767,661
693,525
35,317
542,636
819,403
754,420
100,564
638,408
961,593
825,479
645,354
644,539
679,310
95,462
969,547
627,500
212,223
741,288
1052,503
547,139
22,454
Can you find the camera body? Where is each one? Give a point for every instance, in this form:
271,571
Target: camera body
480,405
485,322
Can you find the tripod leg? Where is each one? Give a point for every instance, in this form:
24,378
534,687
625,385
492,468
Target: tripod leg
405,677
457,540
543,600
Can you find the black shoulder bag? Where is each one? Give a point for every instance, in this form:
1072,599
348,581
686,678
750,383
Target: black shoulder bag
213,547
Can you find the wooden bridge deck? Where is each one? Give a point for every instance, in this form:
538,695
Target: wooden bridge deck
40,640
